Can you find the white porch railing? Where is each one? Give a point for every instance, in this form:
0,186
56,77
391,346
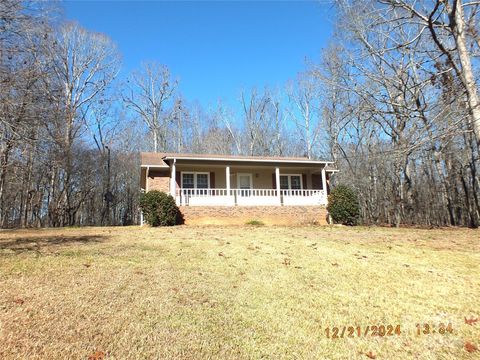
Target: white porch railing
303,197
246,197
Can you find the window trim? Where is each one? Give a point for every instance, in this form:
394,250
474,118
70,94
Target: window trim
195,173
289,176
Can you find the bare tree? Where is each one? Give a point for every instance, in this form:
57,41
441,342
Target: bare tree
304,98
449,23
23,30
84,64
261,120
148,94
405,124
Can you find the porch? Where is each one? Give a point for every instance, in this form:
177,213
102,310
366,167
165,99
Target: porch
249,197
252,185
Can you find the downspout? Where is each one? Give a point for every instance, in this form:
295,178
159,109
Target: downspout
142,222
146,181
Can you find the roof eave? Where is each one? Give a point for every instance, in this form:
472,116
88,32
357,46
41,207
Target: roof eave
311,162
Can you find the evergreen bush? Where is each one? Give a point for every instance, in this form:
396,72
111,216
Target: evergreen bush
343,205
159,209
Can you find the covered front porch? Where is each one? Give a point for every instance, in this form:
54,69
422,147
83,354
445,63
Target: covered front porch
248,185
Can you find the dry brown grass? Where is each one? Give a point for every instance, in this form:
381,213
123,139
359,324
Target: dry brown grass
236,292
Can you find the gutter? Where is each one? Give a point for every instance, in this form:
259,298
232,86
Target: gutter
312,162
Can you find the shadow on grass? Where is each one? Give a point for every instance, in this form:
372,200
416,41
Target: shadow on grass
37,244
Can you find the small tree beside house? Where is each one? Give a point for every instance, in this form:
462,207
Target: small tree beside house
343,205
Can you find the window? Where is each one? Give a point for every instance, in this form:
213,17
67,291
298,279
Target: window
188,180
291,182
198,180
202,181
295,182
244,182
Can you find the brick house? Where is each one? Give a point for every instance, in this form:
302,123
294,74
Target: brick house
235,189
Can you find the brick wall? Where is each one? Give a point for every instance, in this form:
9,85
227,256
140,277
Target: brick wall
239,215
159,180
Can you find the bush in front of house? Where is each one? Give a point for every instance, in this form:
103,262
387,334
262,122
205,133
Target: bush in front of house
159,209
343,205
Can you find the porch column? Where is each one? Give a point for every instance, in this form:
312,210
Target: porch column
277,183
227,179
173,181
324,183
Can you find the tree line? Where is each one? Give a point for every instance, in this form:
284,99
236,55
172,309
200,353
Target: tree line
392,100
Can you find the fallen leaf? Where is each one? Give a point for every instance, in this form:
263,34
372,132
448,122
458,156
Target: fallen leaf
470,321
97,355
470,347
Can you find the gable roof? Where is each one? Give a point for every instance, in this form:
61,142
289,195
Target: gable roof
150,159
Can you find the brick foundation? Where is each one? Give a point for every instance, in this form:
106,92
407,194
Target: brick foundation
239,215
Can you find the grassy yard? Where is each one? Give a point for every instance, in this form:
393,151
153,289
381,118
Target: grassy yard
237,293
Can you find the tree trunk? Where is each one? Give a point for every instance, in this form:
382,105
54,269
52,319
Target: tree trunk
467,72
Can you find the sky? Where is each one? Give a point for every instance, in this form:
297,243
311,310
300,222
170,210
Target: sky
215,48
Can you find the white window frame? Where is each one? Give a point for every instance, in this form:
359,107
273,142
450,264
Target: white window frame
195,177
290,181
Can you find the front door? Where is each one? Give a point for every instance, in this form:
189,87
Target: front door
244,183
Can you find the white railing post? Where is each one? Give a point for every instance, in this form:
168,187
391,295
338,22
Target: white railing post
227,179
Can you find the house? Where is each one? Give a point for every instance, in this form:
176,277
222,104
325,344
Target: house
236,189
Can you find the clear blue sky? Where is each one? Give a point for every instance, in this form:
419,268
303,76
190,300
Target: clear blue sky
214,48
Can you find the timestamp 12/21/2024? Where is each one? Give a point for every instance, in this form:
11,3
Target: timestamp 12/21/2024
339,332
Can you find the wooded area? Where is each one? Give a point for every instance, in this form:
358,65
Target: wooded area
393,101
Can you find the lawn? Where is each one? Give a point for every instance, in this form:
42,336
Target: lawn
239,293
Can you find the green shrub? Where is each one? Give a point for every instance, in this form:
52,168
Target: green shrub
255,222
343,205
159,209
